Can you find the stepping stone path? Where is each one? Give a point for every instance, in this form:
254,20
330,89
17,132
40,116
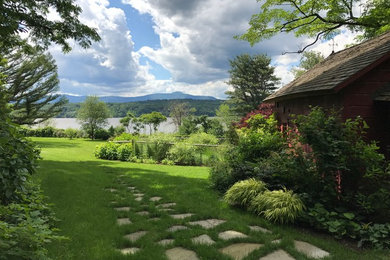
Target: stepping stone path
135,236
203,240
236,251
179,253
259,229
309,250
122,209
181,216
208,223
230,234
155,198
123,221
129,251
143,213
166,242
176,228
278,255
240,250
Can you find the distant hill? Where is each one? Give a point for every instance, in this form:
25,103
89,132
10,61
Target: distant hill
203,107
157,96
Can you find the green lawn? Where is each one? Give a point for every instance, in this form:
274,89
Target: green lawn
75,183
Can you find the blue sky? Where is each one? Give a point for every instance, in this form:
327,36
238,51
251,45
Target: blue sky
162,46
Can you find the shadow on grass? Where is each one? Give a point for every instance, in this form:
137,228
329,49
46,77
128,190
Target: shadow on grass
50,144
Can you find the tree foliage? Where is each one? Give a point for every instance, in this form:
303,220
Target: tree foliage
153,119
93,115
252,79
31,82
308,60
178,111
320,19
31,16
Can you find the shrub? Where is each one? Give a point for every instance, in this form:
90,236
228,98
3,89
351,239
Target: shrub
221,176
202,138
125,137
125,151
280,206
376,235
71,133
102,134
167,162
159,144
243,192
183,154
108,151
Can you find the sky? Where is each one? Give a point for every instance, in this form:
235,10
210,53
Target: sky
162,46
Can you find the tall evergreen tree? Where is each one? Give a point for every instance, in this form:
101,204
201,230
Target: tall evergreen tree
252,79
31,82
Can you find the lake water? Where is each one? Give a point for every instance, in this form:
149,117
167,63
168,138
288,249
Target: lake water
64,123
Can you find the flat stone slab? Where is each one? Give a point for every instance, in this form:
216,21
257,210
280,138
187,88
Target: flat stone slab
166,242
166,205
155,198
176,228
154,219
277,241
138,194
259,229
203,240
142,213
129,251
240,250
123,221
139,198
278,255
131,188
181,216
135,236
166,210
111,190
230,234
122,209
179,253
309,250
208,223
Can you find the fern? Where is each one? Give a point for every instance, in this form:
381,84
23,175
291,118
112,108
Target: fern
243,192
278,206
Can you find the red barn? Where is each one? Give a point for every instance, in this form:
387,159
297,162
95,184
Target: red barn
355,80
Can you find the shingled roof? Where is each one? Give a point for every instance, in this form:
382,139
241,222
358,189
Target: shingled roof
336,70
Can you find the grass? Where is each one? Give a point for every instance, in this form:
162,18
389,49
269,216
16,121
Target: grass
75,183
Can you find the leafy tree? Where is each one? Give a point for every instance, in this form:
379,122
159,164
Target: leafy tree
93,115
308,60
318,19
153,119
127,120
138,124
32,16
225,114
31,81
178,111
252,79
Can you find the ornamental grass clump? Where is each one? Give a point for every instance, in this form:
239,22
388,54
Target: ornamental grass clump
280,206
243,192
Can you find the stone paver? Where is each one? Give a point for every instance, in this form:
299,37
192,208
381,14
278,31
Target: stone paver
181,216
131,188
240,250
176,228
166,242
166,205
259,229
138,194
111,190
155,198
122,209
138,198
166,210
208,223
154,219
278,255
309,250
129,251
135,236
230,234
179,253
203,240
123,221
277,241
142,213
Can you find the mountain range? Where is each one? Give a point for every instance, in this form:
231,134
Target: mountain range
157,96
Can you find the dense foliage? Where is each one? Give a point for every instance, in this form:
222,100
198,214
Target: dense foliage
202,107
243,192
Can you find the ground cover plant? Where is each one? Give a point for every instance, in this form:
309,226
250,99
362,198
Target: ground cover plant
85,192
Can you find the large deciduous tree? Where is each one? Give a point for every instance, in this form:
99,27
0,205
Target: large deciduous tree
308,60
320,19
93,115
32,16
178,111
153,119
31,83
252,79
